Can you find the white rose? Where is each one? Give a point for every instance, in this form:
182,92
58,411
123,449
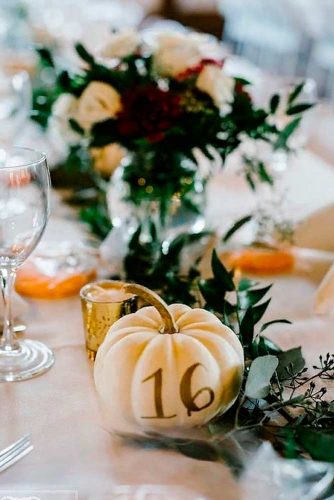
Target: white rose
64,108
107,159
121,44
98,102
175,54
217,85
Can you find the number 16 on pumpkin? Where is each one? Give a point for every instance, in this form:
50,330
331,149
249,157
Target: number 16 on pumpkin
188,400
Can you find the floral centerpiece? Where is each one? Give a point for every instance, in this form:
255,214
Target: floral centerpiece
167,104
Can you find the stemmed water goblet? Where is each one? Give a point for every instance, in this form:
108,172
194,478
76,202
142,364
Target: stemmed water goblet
24,211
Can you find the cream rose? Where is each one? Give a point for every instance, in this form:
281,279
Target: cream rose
176,52
121,44
64,108
107,159
217,85
98,102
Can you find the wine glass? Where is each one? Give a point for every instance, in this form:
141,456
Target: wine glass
24,211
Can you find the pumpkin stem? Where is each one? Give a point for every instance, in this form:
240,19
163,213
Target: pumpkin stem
168,322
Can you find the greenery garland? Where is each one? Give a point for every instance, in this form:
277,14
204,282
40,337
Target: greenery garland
281,400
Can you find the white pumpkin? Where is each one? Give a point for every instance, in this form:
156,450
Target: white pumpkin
167,367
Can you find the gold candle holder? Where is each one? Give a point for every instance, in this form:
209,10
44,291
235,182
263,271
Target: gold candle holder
103,303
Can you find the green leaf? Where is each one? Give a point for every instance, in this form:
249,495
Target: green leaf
286,133
236,226
84,54
76,127
214,297
46,57
247,327
250,181
258,311
103,133
221,274
319,445
274,102
298,108
208,153
241,80
176,246
246,284
228,308
295,92
252,297
290,362
260,373
273,322
264,174
98,220
134,241
263,345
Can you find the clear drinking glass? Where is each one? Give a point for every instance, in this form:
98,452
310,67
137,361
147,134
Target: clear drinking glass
24,211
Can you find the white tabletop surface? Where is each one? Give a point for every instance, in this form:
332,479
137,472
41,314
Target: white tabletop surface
60,409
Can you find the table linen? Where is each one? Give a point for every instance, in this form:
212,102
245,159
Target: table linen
60,409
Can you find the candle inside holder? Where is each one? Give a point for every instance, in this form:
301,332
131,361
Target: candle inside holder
103,303
99,293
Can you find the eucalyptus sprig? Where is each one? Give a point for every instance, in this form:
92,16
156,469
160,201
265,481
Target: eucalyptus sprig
279,391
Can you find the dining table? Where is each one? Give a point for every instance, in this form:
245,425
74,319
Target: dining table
74,455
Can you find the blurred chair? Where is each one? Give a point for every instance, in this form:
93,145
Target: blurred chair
265,33
321,63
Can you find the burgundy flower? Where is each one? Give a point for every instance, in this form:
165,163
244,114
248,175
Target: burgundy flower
148,112
195,70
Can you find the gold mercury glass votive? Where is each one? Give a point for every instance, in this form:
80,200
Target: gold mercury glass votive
103,303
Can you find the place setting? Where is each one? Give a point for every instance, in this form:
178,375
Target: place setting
166,254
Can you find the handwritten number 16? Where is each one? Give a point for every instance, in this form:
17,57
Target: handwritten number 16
188,399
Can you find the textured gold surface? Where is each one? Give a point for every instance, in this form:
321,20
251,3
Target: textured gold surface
99,316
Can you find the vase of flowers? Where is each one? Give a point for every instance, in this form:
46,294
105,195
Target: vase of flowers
141,194
168,105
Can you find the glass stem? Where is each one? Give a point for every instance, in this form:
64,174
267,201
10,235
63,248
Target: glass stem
8,341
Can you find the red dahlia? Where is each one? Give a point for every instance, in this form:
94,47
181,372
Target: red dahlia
148,112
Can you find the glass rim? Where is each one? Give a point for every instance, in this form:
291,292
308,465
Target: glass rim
84,289
27,164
